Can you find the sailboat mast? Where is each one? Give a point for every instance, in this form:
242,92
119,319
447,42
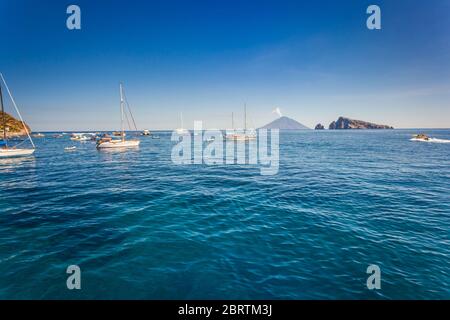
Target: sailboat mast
121,111
232,120
3,115
245,116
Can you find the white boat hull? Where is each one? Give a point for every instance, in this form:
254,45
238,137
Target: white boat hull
4,153
240,137
118,144
182,132
80,139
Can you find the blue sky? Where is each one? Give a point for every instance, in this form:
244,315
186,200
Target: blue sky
316,60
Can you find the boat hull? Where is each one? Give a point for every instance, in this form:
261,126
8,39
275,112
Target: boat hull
240,137
118,144
7,153
182,132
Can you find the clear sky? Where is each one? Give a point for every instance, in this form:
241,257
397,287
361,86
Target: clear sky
316,60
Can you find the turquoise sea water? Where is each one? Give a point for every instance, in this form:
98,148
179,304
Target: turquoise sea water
141,227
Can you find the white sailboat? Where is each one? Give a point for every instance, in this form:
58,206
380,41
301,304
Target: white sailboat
7,150
110,142
246,135
181,130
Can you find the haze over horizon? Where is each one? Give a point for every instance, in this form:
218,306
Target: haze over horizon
316,61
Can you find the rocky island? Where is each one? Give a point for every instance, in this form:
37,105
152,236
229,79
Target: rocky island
346,123
319,127
14,127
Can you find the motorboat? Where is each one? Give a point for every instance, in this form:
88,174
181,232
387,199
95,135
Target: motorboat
80,137
38,135
420,137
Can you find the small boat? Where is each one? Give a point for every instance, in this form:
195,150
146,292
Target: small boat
38,135
57,136
110,142
70,148
81,138
425,138
5,149
146,133
420,137
155,137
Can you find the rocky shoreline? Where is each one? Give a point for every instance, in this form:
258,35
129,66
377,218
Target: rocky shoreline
14,127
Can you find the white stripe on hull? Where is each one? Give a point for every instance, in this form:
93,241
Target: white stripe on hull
15,152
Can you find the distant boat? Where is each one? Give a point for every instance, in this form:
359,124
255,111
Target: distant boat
110,142
5,149
246,135
70,148
146,133
420,137
38,135
81,137
424,138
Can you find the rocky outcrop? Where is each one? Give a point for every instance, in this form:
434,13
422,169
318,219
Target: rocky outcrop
14,127
346,123
319,127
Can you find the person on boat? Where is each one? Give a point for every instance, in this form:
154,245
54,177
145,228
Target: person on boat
105,138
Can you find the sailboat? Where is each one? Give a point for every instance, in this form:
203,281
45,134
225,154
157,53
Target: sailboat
5,149
181,130
120,141
246,135
230,136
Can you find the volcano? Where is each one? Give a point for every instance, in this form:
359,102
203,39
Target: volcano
285,123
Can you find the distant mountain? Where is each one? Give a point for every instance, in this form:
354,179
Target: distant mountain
14,127
285,123
346,123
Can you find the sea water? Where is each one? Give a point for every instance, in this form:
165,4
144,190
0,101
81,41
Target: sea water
139,226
